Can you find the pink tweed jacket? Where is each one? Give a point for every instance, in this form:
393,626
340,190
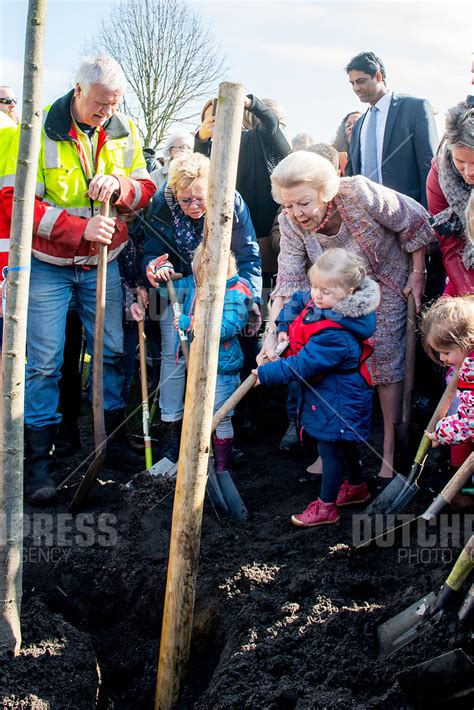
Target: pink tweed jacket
382,227
379,224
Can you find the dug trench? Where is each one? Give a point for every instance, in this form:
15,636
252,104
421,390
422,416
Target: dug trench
284,617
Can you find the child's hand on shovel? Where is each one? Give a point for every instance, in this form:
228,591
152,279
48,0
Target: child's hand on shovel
432,437
255,372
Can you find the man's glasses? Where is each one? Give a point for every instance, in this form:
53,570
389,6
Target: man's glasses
186,201
8,101
180,147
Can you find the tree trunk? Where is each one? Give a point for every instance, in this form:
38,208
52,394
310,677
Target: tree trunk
200,394
14,338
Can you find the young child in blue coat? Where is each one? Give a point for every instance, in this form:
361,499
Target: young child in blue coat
327,329
237,304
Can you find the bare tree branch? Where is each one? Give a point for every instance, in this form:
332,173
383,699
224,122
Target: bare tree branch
170,59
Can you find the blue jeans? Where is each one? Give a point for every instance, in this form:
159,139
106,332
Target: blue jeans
173,369
51,289
225,386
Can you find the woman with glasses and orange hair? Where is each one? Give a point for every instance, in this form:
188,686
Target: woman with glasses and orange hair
173,231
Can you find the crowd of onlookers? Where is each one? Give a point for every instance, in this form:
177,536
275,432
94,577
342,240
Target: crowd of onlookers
328,243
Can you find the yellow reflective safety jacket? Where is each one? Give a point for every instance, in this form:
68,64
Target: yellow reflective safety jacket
62,207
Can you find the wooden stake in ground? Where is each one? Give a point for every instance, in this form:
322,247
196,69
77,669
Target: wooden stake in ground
200,391
14,337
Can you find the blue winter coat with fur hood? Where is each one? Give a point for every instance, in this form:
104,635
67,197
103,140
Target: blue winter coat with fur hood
337,407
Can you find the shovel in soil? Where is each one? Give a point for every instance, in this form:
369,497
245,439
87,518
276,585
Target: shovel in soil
418,618
446,681
144,388
401,489
462,475
236,506
100,436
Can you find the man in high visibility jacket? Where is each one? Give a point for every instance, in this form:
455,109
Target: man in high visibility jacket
89,154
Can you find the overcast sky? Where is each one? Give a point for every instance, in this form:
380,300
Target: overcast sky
292,51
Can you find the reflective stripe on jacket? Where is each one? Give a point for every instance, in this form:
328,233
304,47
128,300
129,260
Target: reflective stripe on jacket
62,207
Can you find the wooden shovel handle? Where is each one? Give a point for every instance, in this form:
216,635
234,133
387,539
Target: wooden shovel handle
455,484
142,352
440,412
409,360
177,310
233,400
239,394
98,362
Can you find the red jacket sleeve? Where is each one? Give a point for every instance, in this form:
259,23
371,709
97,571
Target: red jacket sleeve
134,194
436,200
65,228
461,280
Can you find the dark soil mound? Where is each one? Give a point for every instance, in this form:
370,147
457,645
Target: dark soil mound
284,617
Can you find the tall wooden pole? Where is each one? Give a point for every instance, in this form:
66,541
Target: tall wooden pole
200,391
14,337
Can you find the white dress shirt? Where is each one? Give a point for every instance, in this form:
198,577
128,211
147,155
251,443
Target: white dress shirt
382,105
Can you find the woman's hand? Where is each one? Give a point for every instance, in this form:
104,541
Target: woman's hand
255,321
138,313
283,337
159,270
206,129
268,349
416,285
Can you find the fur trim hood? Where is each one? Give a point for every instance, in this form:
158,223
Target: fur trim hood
360,303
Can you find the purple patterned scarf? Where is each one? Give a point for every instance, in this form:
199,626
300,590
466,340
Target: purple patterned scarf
187,232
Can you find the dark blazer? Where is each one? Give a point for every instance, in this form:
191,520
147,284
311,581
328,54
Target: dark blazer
410,141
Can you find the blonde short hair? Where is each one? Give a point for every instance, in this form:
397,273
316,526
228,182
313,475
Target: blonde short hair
307,168
184,172
340,268
231,265
448,322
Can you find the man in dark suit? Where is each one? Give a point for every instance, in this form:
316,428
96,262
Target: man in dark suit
394,141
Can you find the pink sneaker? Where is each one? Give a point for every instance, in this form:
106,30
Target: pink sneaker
350,495
317,513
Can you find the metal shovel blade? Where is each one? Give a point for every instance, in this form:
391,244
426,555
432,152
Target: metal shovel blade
88,481
214,491
439,682
164,467
404,497
385,500
237,509
404,627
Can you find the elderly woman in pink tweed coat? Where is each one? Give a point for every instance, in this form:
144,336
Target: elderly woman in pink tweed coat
384,228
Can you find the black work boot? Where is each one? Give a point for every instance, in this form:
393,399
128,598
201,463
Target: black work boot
39,486
171,440
67,440
119,457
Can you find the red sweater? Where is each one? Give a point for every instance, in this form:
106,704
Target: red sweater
461,280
